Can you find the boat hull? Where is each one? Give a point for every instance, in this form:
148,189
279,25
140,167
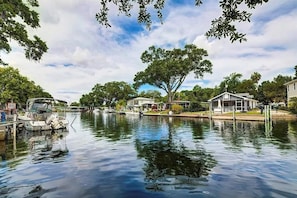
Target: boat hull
43,125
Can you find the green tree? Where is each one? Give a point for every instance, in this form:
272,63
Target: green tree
167,69
87,100
260,96
151,94
203,94
295,68
98,92
274,91
250,85
115,91
293,105
76,104
184,95
18,88
230,83
198,97
255,77
246,86
15,18
108,94
221,27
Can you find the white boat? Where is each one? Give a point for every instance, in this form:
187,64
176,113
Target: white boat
96,110
40,115
109,110
137,113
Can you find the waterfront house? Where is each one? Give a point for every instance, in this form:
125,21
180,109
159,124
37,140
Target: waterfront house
141,104
291,89
228,102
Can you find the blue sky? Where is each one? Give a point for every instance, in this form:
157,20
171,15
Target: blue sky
83,53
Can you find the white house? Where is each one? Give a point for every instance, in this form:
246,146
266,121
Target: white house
291,89
141,104
226,102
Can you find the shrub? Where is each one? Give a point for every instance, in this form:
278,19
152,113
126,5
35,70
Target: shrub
293,105
176,108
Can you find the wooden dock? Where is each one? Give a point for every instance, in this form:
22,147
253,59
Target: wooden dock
3,132
7,127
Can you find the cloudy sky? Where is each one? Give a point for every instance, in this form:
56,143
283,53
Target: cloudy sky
83,53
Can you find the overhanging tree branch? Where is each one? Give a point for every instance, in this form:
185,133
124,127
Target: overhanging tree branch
221,27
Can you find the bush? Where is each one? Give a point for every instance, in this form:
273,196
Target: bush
293,105
195,107
176,108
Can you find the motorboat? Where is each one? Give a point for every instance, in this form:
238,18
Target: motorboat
96,110
41,114
136,113
109,110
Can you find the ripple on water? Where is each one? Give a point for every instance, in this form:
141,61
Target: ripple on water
154,157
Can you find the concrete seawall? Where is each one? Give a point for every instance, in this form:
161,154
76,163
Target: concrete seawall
248,117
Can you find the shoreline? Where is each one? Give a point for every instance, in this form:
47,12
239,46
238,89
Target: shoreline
280,115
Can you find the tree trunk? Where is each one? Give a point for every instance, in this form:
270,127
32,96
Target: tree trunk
170,97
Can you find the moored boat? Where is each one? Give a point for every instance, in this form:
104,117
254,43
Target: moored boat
40,115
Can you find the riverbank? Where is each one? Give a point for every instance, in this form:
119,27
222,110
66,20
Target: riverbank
281,115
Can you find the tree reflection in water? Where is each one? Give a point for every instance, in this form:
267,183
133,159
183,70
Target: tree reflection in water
109,125
169,163
238,134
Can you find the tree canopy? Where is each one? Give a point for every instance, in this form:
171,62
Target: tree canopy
230,82
15,18
221,27
167,69
18,88
151,94
275,90
108,94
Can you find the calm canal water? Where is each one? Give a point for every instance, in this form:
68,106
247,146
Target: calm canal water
108,155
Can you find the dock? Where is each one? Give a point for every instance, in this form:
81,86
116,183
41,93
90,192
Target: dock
9,127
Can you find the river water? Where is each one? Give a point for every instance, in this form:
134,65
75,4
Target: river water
109,155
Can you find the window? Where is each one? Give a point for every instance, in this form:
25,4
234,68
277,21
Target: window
238,105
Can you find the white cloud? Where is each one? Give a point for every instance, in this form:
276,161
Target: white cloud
95,54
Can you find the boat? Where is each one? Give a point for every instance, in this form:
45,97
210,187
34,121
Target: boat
40,115
96,110
109,110
137,113
76,109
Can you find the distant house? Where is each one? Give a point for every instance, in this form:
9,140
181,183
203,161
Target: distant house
291,89
141,104
76,109
226,101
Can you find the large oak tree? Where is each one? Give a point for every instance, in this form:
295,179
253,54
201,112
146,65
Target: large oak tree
167,69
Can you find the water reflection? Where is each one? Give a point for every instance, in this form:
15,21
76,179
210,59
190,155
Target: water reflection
114,155
173,165
170,159
239,134
37,147
108,125
53,143
284,134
